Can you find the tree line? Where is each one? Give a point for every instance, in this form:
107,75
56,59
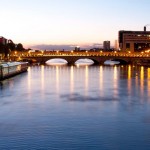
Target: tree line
10,46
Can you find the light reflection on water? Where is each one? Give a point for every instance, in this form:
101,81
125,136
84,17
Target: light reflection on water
148,80
101,80
76,107
72,79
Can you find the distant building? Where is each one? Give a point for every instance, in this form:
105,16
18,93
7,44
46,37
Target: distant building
77,48
106,45
116,46
134,41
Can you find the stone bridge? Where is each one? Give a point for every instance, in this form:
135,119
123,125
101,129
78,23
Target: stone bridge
96,58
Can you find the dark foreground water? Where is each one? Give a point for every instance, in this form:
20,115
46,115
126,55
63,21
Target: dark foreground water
76,108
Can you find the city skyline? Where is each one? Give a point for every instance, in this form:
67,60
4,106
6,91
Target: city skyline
65,23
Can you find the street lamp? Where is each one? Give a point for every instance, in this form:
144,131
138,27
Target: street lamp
15,53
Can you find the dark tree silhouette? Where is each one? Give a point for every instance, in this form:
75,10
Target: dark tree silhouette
7,50
19,47
2,48
11,46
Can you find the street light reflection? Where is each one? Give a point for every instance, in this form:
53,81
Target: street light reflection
57,79
101,80
142,80
29,82
148,78
72,79
86,79
129,79
42,78
115,83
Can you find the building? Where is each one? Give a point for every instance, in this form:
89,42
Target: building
77,48
106,45
116,46
134,41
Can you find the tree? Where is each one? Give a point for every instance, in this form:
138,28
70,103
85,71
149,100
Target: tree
2,48
19,47
7,50
11,46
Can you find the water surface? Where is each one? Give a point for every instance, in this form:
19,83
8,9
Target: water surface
76,107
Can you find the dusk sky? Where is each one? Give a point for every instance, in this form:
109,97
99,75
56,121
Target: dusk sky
43,23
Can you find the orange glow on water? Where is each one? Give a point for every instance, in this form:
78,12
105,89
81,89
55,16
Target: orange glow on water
148,80
129,79
142,80
129,72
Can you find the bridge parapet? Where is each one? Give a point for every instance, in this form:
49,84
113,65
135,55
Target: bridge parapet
80,53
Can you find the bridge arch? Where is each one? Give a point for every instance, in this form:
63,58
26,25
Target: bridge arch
122,61
84,61
72,60
56,61
95,61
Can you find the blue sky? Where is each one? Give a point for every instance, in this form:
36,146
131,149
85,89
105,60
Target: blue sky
70,22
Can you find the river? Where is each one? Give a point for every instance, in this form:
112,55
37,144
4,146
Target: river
76,108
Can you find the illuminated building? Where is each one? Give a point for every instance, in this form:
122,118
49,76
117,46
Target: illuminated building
134,41
116,47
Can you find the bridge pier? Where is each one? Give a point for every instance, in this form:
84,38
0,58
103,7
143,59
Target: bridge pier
71,63
99,63
42,62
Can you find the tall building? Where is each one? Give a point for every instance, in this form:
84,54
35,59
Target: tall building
134,41
106,45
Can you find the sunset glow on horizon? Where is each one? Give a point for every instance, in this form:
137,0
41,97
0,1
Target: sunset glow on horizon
70,22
